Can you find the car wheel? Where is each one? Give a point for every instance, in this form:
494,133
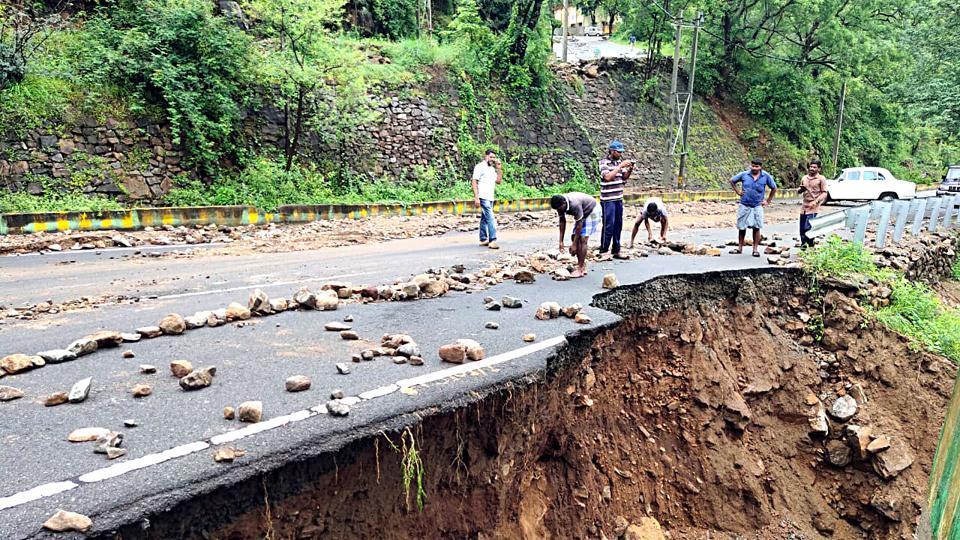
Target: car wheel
888,197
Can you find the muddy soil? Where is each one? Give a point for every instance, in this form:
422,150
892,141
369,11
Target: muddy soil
694,410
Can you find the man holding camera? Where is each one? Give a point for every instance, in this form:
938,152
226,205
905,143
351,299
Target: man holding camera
486,175
614,173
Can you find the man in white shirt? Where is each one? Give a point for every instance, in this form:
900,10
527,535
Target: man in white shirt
486,175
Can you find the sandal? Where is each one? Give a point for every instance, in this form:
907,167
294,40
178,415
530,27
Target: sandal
756,253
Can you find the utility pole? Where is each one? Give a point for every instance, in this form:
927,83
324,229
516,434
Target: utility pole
836,139
566,30
689,107
668,158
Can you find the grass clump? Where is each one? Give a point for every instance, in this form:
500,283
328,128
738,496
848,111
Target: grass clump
20,202
915,310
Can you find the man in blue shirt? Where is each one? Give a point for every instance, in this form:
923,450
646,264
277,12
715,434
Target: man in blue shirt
752,185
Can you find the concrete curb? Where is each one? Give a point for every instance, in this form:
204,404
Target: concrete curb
137,218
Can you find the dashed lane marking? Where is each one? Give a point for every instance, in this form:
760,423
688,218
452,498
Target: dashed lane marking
149,460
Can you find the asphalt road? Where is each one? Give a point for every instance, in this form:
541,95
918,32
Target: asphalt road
591,48
253,362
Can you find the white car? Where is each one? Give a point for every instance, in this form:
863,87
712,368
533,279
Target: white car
593,31
868,184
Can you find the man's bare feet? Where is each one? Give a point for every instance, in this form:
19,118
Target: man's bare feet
576,274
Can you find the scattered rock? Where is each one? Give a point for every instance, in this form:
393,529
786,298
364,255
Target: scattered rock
87,434
583,318
106,338
80,390
298,383
610,281
82,346
201,378
114,453
455,353
107,440
492,306
229,413
58,398
142,390
148,369
128,354
647,529
524,276
858,438
409,349
879,444
16,363
237,312
415,361
279,304
889,463
548,310
64,521
130,422
819,424
250,411
9,393
337,394
336,327
130,337
337,407
837,453
259,302
529,338
844,408
151,331
572,310
474,350
57,356
173,324
492,325
181,368
888,502
343,369
227,454
305,297
349,335
511,302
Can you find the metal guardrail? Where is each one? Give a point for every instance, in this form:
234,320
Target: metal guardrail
930,213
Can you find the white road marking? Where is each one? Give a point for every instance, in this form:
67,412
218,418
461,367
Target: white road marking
118,469
145,248
260,286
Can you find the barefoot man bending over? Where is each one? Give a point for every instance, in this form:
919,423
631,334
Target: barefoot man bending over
586,214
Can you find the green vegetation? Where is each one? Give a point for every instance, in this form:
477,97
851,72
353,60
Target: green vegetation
411,468
55,201
915,310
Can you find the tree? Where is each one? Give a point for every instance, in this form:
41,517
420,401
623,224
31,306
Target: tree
23,30
311,75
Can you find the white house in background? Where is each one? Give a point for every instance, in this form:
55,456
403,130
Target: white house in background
579,21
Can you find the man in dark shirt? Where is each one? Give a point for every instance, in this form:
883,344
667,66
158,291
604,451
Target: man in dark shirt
586,214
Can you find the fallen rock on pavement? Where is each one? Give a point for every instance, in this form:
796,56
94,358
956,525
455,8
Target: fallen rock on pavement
181,368
455,353
82,346
583,318
492,325
229,413
529,338
15,363
80,390
141,390
57,356
173,324
9,393
349,335
572,310
87,434
106,338
151,331
259,303
474,350
114,453
305,297
64,521
58,398
336,326
548,310
201,378
337,407
342,368
511,302
237,312
147,369
227,454
297,383
107,440
610,281
250,411
409,350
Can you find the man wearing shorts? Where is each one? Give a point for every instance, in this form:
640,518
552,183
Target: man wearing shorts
751,185
587,216
653,210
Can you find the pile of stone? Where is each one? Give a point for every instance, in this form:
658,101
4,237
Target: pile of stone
462,350
105,441
926,256
553,310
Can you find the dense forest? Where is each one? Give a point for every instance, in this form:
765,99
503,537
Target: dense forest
200,65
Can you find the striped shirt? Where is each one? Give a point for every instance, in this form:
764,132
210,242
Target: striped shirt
611,190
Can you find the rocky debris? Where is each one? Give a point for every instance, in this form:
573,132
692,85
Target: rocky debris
819,425
9,393
227,454
492,325
130,337
106,338
80,390
524,276
305,297
173,324
349,335
548,310
229,413
336,326
57,356
147,369
198,319
82,346
529,338
409,291
87,434
409,350
858,439
337,394
492,306
181,368
151,331
297,383
131,423
572,310
342,368
431,287
891,462
844,408
473,349
327,301
837,453
879,444
141,390
16,363
888,502
583,318
647,528
337,407
57,398
259,303
128,354
201,378
237,312
64,521
347,319
415,361
114,453
107,440
278,305
250,411
455,353
610,281
511,302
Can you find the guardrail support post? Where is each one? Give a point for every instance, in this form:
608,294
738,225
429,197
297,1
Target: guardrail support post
918,217
935,214
863,216
948,213
901,211
883,224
